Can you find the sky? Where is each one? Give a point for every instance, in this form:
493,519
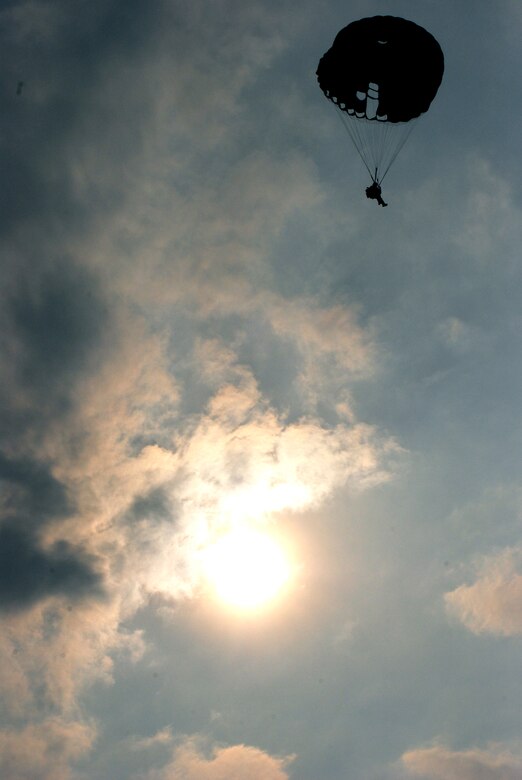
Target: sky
207,329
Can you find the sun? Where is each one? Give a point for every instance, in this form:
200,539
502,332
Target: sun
246,569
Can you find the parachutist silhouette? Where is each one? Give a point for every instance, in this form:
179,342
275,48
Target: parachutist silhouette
374,192
19,87
381,73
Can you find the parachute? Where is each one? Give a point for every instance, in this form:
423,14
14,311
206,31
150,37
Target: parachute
382,73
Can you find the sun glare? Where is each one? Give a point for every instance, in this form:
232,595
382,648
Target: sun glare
246,569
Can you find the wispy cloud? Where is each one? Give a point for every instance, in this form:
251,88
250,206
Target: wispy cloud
493,603
44,751
496,762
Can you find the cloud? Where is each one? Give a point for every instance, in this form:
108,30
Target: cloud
139,237
29,487
162,737
459,336
493,603
213,251
490,218
239,462
57,318
53,319
238,762
266,465
140,514
44,751
243,459
29,574
53,650
320,331
439,763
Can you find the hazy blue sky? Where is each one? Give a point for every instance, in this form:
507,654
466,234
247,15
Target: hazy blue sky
204,324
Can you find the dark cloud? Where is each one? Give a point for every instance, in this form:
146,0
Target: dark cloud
65,58
54,326
31,490
154,505
57,321
29,574
33,497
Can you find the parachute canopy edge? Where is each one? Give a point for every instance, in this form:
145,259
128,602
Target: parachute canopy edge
382,68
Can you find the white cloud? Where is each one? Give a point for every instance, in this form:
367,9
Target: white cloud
439,763
243,459
44,751
493,603
162,737
240,463
325,331
57,649
238,762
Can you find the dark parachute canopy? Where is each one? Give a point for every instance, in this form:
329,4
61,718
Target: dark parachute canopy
382,73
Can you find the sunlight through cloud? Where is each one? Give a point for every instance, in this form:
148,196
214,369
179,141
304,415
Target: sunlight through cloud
246,569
